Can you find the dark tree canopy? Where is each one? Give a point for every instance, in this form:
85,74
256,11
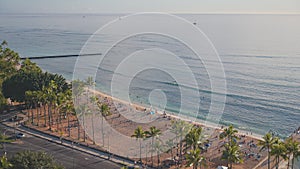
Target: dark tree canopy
16,86
31,160
9,63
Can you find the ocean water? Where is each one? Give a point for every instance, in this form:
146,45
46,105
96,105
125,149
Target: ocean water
260,54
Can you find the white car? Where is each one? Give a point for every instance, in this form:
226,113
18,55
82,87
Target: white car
20,135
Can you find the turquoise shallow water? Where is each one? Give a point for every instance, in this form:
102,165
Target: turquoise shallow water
260,54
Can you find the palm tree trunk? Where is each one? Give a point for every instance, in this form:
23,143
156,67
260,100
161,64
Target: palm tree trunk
140,150
93,129
78,132
288,164
37,113
45,116
49,116
69,129
269,158
83,126
293,162
152,150
158,159
32,114
180,148
102,130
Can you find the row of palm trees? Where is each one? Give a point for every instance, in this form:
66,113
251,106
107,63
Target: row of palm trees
287,150
50,102
231,153
153,133
190,140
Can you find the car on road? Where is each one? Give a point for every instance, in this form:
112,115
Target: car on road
20,135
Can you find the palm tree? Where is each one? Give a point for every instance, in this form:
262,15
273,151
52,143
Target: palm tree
295,152
278,150
289,149
69,109
60,103
28,102
152,133
180,129
267,143
229,133
139,134
231,154
193,138
77,89
158,147
82,110
89,83
65,107
40,105
50,97
105,111
94,100
170,145
43,100
195,159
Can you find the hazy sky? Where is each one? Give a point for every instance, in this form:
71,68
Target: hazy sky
130,6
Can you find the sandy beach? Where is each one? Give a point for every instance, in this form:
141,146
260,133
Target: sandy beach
124,119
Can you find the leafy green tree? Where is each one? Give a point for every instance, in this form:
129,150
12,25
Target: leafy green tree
139,134
31,160
152,133
28,66
4,163
195,159
4,139
16,86
267,143
9,61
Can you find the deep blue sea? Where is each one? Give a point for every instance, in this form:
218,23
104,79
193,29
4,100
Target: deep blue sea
260,54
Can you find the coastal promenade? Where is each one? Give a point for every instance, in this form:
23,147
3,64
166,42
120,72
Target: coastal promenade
70,154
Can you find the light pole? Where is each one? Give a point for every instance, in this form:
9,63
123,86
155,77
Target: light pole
73,154
4,143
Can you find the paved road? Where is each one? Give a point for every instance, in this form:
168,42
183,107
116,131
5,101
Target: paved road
68,157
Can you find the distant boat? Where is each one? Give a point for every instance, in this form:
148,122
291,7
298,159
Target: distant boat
195,23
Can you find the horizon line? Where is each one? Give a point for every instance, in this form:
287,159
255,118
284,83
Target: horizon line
180,13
